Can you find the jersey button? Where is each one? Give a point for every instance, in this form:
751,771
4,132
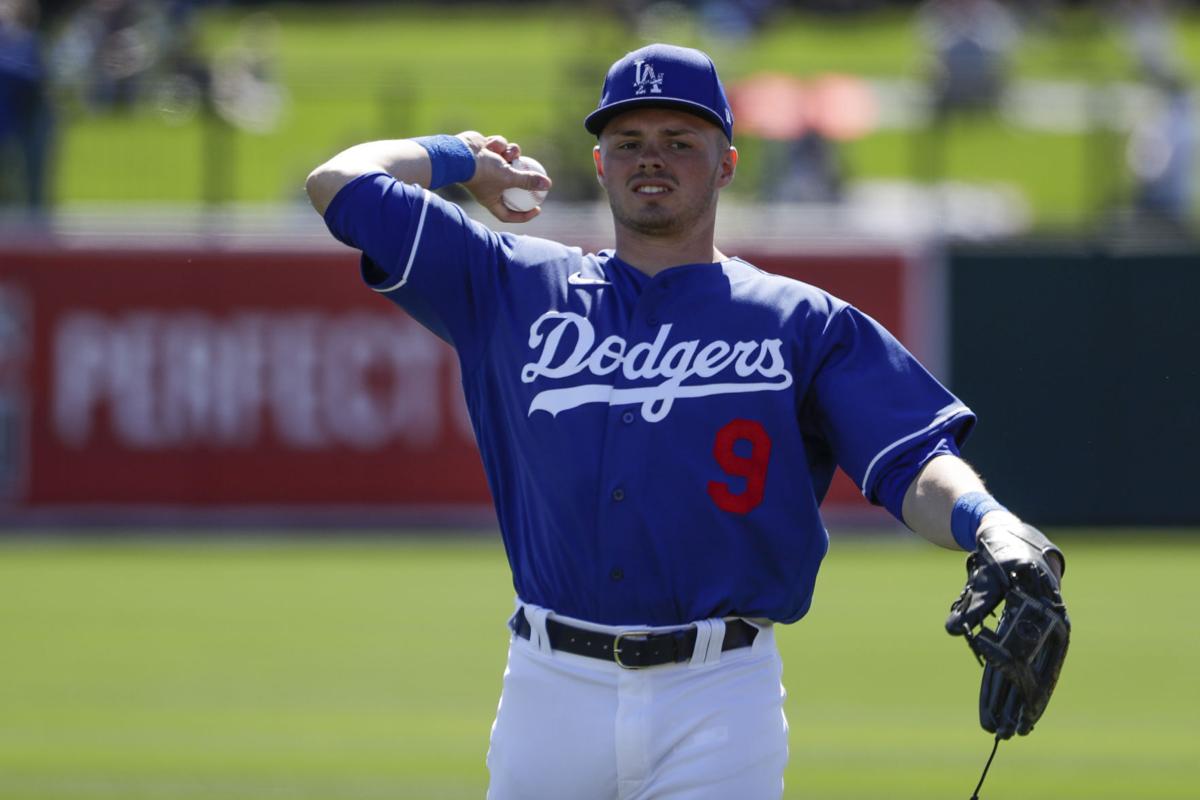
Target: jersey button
618,494
617,574
627,417
651,320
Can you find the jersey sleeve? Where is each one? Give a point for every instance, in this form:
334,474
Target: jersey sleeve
883,414
423,253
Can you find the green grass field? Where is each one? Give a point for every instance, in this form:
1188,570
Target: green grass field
245,668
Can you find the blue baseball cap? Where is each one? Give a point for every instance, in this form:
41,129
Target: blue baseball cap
667,76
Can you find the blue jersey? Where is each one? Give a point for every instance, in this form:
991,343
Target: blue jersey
657,447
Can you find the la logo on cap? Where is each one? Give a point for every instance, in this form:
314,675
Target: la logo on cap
644,76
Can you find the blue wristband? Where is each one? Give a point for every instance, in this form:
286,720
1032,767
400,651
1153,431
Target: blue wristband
450,158
968,512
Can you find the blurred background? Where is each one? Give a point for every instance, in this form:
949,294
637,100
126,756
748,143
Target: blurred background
1020,116
246,545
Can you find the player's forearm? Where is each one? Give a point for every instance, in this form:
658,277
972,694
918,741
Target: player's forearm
404,159
929,501
483,165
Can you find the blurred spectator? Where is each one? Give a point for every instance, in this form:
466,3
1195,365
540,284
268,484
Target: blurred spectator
800,122
1160,155
1161,150
734,20
246,88
184,87
1148,26
807,169
719,20
106,50
1040,16
971,41
26,122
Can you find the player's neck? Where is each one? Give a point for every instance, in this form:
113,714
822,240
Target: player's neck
653,254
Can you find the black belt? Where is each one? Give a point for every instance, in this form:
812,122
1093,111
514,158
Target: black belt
633,649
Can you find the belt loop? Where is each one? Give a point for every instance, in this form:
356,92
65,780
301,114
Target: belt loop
765,637
536,615
703,634
716,641
710,636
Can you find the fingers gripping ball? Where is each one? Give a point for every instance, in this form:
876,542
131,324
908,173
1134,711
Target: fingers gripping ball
524,199
1023,656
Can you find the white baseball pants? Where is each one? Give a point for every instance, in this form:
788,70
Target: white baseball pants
576,728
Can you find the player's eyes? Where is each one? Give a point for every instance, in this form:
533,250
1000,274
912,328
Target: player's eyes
635,144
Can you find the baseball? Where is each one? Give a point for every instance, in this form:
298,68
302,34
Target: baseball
524,199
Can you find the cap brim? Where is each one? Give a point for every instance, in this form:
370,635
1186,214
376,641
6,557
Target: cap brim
595,122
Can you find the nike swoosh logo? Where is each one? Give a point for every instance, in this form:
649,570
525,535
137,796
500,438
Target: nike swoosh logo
579,279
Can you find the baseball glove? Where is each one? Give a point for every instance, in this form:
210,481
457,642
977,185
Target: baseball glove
1022,657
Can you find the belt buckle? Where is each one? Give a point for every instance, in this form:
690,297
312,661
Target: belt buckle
617,647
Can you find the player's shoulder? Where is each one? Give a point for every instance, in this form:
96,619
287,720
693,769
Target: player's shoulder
545,257
535,249
790,295
522,249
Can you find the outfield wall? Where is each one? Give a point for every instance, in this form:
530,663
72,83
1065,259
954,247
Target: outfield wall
1084,368
205,384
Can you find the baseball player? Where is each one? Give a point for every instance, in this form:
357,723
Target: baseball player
658,424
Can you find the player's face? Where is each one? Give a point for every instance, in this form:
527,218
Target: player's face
663,169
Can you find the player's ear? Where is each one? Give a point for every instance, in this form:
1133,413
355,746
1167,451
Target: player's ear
728,166
599,163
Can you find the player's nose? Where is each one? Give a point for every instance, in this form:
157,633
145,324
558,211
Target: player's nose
650,157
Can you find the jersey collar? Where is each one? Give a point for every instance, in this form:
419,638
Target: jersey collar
670,274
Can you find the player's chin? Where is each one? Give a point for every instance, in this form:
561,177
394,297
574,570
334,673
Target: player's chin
656,222
652,205
644,217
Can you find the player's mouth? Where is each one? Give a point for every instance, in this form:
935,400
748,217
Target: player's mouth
655,188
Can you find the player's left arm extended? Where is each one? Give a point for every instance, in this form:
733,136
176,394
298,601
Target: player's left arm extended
1010,563
929,503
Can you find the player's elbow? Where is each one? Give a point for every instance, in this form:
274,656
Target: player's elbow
322,184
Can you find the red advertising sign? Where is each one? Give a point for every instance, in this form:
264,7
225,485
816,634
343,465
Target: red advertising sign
215,380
